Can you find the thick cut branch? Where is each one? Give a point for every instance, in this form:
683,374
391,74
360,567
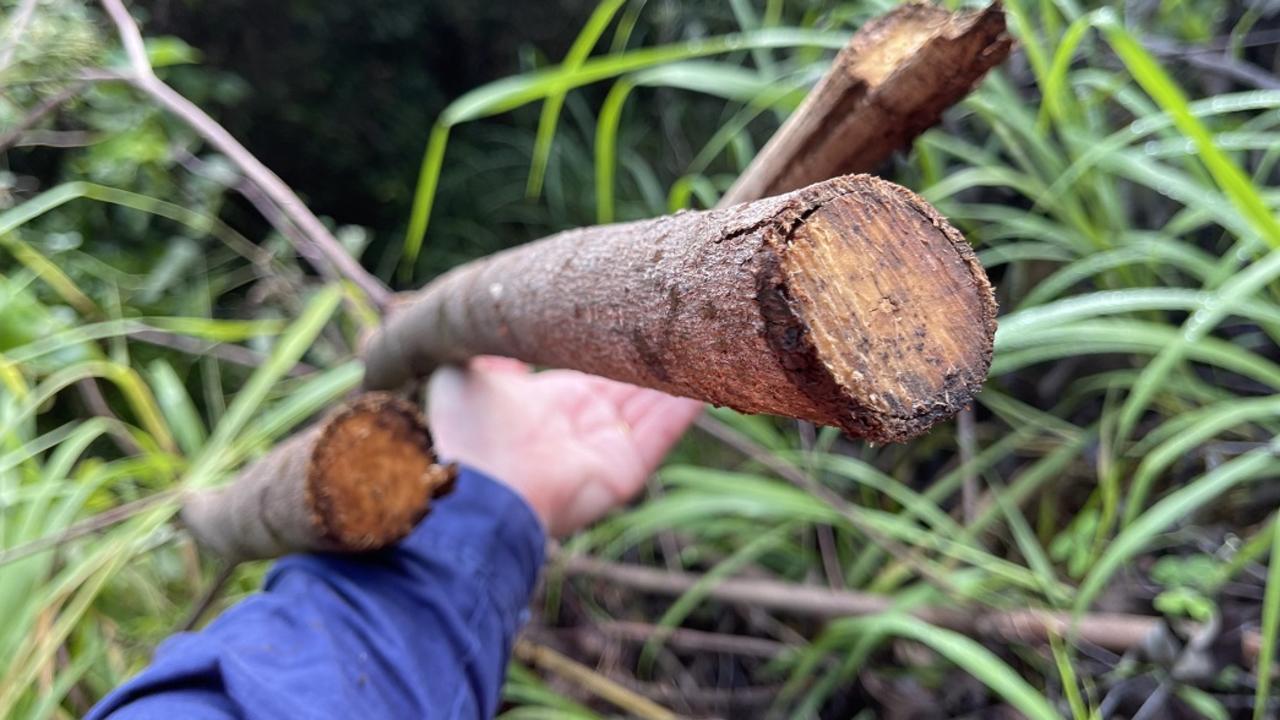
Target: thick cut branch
849,303
359,480
890,83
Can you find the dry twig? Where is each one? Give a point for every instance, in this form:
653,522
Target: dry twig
602,687
323,249
1114,631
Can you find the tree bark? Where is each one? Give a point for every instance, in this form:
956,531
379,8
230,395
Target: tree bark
889,84
849,303
358,480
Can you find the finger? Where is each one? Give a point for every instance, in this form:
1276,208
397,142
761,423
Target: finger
658,422
614,392
448,396
496,364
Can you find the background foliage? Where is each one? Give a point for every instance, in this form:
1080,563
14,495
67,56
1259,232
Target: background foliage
1118,177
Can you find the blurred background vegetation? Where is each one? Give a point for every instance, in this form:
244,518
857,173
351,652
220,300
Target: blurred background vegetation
1117,175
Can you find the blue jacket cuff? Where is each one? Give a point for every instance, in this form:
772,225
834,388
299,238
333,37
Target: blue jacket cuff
492,531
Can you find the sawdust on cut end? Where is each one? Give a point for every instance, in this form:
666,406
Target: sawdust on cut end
373,474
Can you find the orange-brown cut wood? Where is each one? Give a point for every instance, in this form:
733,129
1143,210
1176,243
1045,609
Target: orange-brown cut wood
359,480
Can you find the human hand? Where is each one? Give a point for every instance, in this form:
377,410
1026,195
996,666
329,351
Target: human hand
574,446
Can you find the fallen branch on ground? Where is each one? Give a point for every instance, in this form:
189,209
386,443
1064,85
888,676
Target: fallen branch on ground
1117,632
359,480
549,660
849,303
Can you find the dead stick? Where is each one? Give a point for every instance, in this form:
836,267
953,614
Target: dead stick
879,94
1114,631
635,704
889,84
359,480
331,257
849,303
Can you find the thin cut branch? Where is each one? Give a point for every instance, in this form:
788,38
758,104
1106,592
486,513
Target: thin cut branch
849,303
359,480
333,259
891,83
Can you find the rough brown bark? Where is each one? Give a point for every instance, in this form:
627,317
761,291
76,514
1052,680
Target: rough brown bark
889,84
849,303
358,480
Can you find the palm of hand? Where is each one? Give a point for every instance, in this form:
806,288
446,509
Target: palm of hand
574,446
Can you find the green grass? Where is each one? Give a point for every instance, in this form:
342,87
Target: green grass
1127,217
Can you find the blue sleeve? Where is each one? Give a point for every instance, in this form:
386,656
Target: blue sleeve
421,630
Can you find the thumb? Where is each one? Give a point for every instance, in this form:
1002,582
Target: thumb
446,394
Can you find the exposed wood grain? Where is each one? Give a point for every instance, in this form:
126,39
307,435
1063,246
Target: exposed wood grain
889,84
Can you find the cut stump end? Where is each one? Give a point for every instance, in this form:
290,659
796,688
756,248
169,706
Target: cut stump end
887,319
372,474
358,480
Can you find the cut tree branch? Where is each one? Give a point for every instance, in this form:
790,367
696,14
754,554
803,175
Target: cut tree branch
359,480
589,313
889,84
330,258
849,303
